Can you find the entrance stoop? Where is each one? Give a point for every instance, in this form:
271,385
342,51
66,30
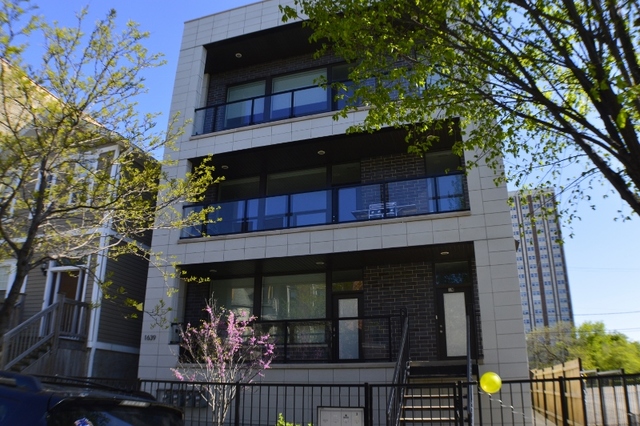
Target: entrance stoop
431,395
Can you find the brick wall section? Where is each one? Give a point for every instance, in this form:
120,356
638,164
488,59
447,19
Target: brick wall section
399,166
387,288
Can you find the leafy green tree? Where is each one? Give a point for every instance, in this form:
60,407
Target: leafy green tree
551,83
61,189
549,346
605,351
596,347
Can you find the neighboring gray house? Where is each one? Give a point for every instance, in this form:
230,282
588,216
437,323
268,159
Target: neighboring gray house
64,325
317,226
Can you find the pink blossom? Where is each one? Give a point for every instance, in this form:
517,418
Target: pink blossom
223,349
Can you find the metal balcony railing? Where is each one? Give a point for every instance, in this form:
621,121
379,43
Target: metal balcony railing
364,339
262,109
408,197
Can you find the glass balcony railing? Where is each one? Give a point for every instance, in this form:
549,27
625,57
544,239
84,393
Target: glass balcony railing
409,197
279,106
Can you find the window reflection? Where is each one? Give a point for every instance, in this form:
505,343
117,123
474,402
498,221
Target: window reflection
294,297
234,294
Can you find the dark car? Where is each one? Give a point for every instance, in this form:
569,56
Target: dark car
27,400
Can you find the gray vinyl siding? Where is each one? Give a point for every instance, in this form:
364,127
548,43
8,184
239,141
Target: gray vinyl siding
36,282
116,324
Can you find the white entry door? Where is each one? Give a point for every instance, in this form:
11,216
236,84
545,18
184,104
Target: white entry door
452,322
348,328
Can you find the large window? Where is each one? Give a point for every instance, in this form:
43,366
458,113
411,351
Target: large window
285,96
294,297
7,272
234,294
447,191
296,181
440,163
298,94
238,189
245,104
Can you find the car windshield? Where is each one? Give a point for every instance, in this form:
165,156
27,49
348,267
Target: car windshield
86,413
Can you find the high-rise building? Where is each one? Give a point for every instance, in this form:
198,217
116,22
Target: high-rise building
542,271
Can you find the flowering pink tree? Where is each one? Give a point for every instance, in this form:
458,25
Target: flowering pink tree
223,350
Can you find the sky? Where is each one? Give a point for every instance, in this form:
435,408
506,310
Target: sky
603,257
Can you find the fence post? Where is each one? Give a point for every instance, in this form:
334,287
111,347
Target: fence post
603,405
631,418
368,415
583,391
563,401
236,420
459,404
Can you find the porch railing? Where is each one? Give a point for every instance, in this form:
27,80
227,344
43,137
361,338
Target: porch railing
409,197
65,318
366,338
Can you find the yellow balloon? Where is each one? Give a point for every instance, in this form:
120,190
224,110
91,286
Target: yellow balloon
490,382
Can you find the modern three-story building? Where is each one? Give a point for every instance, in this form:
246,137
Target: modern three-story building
330,239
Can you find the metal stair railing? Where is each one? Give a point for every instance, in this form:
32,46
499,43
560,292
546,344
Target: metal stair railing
394,405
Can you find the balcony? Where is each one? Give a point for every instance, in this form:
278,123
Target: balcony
401,198
262,109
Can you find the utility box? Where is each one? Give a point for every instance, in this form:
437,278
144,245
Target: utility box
340,416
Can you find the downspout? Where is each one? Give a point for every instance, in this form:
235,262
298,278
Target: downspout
96,297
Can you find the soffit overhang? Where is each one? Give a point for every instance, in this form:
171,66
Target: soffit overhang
281,42
333,261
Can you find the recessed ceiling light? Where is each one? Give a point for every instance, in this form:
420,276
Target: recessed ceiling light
319,262
444,253
213,271
238,55
224,167
321,152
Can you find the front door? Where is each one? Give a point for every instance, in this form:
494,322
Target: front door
346,310
453,308
69,281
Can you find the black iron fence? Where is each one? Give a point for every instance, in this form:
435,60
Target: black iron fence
604,401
